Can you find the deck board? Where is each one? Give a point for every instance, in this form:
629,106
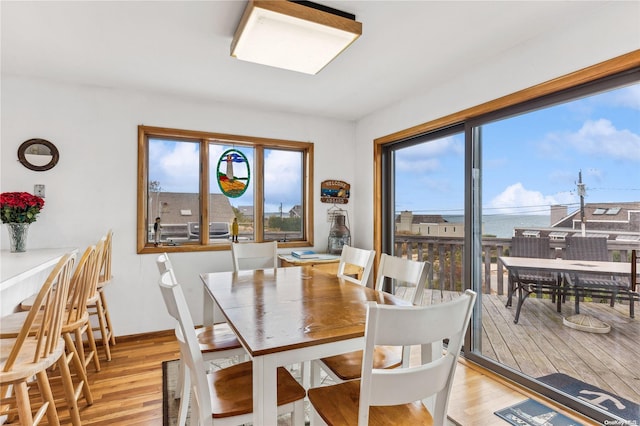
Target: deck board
540,344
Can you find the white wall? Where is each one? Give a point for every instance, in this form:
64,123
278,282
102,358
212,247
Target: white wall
93,187
612,31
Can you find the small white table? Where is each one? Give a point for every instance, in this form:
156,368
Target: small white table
22,274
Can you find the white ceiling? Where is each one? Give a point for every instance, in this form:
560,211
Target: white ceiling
181,48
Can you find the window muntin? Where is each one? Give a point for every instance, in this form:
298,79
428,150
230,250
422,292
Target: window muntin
177,181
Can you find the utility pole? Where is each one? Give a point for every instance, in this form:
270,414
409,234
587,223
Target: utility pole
581,193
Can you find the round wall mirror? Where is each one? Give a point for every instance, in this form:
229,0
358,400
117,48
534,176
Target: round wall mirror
38,154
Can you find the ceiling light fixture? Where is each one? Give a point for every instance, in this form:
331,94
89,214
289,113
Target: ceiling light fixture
295,35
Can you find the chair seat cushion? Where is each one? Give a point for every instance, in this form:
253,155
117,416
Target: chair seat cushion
349,366
216,337
338,405
231,389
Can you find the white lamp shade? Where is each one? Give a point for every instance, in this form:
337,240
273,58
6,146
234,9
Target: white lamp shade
291,36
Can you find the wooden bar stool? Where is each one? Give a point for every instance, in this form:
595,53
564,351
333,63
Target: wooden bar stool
75,321
31,354
97,302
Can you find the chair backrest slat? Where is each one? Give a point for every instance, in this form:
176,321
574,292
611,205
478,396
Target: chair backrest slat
539,247
587,248
358,257
105,263
248,256
402,270
83,283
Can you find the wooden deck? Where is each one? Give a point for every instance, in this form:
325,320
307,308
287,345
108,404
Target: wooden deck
540,344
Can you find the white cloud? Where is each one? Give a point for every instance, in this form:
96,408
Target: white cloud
517,199
426,157
601,138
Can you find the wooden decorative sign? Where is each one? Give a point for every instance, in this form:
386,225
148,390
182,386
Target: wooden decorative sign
233,173
334,192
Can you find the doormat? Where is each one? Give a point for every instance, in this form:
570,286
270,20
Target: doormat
611,403
533,413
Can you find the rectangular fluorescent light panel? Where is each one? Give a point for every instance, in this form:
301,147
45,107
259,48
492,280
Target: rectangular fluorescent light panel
292,36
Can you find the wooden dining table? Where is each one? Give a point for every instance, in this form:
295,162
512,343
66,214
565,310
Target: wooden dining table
289,315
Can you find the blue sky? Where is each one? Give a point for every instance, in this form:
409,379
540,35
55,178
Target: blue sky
532,161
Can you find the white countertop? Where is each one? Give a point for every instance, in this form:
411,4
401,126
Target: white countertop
15,267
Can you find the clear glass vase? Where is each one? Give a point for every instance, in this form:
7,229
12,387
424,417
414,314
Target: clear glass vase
18,237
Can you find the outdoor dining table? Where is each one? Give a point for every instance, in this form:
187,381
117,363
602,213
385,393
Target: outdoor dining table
559,267
288,315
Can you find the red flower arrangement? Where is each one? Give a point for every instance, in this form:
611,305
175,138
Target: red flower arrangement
19,207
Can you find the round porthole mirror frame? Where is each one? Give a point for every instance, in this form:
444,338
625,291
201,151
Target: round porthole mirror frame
38,147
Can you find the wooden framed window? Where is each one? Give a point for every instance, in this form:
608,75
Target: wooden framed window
192,185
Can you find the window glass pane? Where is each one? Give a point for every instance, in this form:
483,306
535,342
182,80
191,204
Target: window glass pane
429,209
569,170
283,195
173,190
232,171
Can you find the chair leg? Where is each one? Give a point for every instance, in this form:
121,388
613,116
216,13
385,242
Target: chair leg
93,353
79,345
23,404
105,308
79,367
67,384
315,374
297,416
305,373
106,339
185,395
47,398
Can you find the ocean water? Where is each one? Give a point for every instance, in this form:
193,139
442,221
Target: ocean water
501,225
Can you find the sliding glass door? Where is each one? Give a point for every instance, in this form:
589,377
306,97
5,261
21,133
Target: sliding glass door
556,172
536,174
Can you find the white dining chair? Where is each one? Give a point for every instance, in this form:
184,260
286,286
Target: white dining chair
398,394
215,341
249,256
225,396
348,366
361,258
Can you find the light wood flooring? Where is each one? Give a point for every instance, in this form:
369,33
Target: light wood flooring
128,390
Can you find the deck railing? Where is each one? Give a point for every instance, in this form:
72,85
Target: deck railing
445,256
